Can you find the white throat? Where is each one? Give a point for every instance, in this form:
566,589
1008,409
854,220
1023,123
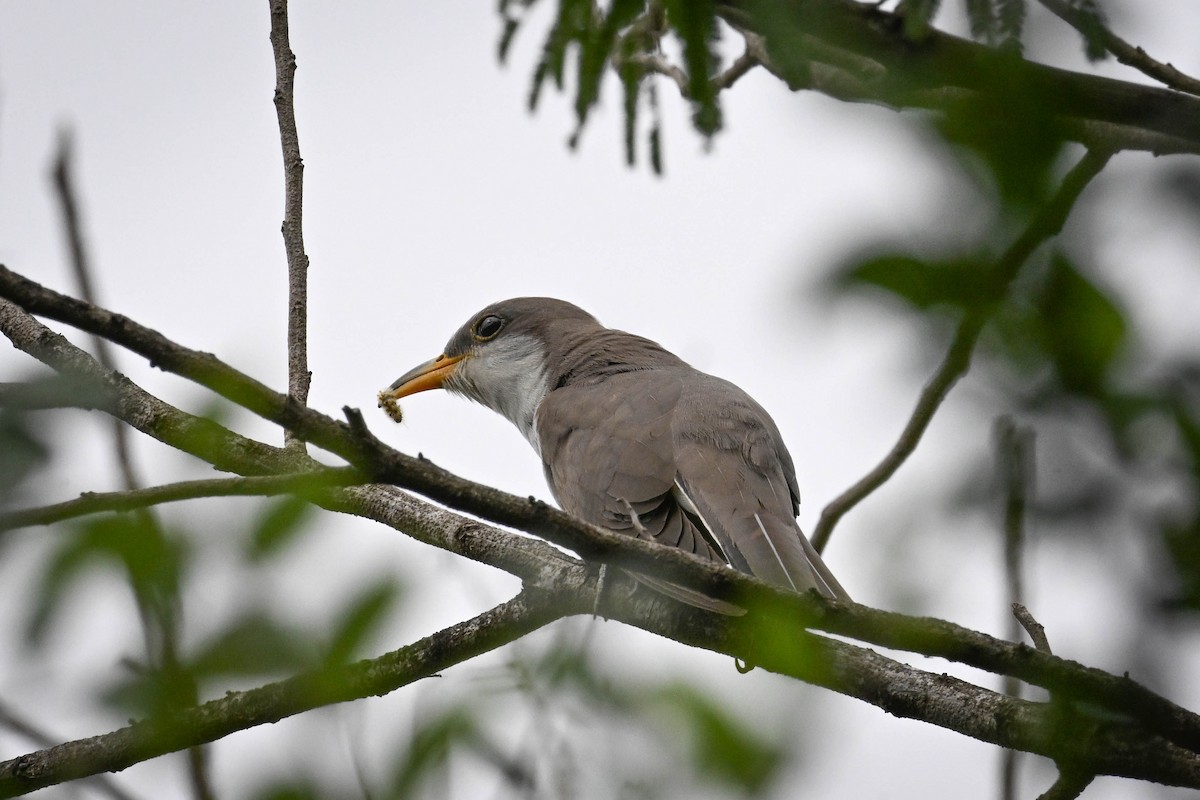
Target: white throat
509,377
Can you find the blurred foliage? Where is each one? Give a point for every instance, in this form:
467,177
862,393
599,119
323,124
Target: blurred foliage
152,561
1060,346
22,452
586,39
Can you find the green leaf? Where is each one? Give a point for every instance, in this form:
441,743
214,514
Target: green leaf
429,749
152,562
21,452
723,747
981,15
1010,18
1010,129
695,23
918,16
1092,26
359,620
253,645
1081,329
151,693
284,520
963,282
292,790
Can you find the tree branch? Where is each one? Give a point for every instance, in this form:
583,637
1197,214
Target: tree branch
936,72
1046,224
1124,52
93,503
299,377
904,691
240,710
901,690
100,783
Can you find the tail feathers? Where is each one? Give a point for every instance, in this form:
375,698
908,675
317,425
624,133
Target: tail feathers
689,596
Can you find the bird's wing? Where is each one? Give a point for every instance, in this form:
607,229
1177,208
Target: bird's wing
734,468
683,459
607,448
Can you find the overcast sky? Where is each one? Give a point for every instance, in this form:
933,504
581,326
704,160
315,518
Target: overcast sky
429,193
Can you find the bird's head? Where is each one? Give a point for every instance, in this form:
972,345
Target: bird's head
499,358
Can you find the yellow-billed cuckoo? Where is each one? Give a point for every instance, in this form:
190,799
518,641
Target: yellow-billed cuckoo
635,440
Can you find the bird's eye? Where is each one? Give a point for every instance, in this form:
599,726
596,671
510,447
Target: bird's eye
488,327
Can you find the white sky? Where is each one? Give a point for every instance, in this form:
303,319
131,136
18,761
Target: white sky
430,192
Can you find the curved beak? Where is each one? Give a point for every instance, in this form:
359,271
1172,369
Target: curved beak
430,375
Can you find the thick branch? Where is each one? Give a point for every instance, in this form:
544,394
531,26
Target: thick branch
1095,745
240,710
1046,224
936,72
899,689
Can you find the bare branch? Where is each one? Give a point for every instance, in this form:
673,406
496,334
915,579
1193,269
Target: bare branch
299,377
747,61
93,503
240,710
1128,54
1046,224
1036,632
658,64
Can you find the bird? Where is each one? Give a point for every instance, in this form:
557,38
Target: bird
634,439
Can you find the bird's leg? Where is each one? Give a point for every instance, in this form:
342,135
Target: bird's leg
637,526
633,518
599,590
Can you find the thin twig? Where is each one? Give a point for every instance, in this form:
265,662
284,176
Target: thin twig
1014,466
747,61
299,377
658,64
64,185
1128,54
1047,223
93,503
159,615
1068,786
1037,633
